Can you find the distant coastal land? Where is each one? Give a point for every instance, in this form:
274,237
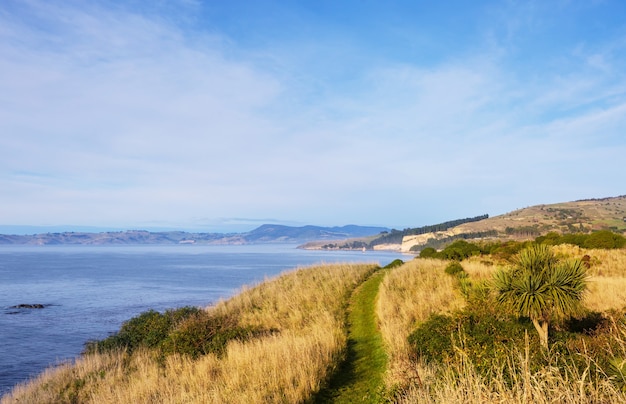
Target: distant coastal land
289,334
582,216
267,233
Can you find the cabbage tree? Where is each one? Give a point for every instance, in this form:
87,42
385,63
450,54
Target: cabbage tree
542,287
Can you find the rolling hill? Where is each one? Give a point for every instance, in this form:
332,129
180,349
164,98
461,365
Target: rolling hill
267,233
568,217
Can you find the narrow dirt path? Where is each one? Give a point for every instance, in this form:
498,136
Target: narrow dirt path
360,377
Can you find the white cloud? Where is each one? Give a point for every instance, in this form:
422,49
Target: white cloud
121,117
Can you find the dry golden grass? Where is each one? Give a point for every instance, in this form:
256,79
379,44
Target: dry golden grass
594,214
607,276
560,382
603,262
306,310
407,296
458,381
478,269
292,301
280,368
605,293
56,385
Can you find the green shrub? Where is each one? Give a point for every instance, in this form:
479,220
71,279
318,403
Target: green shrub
604,239
202,334
551,238
186,331
428,252
148,329
573,239
454,268
432,339
460,249
504,250
487,339
484,338
395,263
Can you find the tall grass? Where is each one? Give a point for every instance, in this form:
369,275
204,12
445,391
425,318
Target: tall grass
407,296
607,276
304,311
303,315
417,289
560,382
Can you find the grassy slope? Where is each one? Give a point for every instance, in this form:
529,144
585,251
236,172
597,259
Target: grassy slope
308,306
360,378
306,311
592,214
589,215
410,293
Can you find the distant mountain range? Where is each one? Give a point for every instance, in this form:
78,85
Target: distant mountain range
569,217
267,233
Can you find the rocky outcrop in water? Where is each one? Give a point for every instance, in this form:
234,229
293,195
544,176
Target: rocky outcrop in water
28,306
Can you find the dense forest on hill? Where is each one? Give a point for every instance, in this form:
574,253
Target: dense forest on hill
395,236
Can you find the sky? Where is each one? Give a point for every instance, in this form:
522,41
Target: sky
223,115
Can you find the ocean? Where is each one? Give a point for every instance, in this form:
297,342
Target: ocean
88,292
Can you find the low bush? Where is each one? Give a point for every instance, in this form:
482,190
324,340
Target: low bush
187,331
459,250
487,339
393,264
503,250
428,252
603,239
432,340
454,268
597,335
202,334
148,329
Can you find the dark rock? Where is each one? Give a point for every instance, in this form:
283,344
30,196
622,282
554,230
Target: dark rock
28,306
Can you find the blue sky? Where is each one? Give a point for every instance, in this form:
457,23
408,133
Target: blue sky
220,116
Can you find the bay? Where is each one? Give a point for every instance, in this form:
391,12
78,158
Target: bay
88,292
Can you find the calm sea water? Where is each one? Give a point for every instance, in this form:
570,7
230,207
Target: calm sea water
89,291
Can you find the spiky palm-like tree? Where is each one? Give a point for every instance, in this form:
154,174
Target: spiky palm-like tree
541,287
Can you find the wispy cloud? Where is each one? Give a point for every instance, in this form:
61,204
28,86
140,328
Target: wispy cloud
116,115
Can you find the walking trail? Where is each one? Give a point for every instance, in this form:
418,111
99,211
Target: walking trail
360,377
